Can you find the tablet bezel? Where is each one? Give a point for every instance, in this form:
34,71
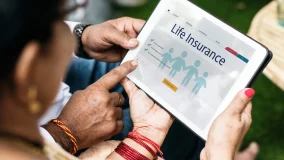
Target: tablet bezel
256,64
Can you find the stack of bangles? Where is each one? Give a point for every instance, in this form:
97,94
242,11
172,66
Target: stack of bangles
129,153
67,132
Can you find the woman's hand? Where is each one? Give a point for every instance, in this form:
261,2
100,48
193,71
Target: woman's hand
93,114
110,41
229,128
149,118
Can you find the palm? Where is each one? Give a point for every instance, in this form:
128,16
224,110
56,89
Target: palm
146,113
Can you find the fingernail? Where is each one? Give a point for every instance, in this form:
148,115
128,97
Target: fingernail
133,42
249,93
134,63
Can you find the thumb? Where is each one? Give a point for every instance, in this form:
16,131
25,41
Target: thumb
128,86
240,102
120,38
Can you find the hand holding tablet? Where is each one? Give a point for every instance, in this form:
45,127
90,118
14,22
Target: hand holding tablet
193,64
228,130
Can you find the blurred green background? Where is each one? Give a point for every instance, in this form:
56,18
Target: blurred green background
268,104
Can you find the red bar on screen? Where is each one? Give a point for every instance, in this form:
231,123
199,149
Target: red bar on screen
231,51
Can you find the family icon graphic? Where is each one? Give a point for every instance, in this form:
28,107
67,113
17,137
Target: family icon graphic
167,57
200,82
179,63
192,71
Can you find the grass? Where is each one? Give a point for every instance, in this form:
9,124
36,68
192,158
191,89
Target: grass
268,120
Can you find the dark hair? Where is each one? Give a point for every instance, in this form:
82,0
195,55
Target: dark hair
23,21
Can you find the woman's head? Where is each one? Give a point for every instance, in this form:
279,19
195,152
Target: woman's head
35,47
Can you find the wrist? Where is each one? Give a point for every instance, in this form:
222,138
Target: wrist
59,136
153,134
84,37
139,148
81,35
145,148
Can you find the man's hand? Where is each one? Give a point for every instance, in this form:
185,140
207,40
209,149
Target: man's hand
228,130
93,114
110,41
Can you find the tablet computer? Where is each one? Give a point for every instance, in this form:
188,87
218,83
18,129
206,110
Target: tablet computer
193,64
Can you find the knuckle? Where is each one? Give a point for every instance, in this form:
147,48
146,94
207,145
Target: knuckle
119,110
123,36
124,19
104,29
105,100
234,112
113,126
97,85
97,55
108,134
119,113
111,113
125,66
77,93
248,118
116,73
242,101
100,100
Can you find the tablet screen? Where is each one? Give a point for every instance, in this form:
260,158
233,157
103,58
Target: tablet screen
190,62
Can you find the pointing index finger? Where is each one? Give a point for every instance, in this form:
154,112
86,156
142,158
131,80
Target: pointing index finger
114,76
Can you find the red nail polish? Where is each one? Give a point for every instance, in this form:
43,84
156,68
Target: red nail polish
250,93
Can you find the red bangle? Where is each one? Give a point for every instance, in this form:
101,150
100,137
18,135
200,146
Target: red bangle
139,141
129,153
143,138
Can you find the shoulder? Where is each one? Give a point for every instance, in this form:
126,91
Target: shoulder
10,151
